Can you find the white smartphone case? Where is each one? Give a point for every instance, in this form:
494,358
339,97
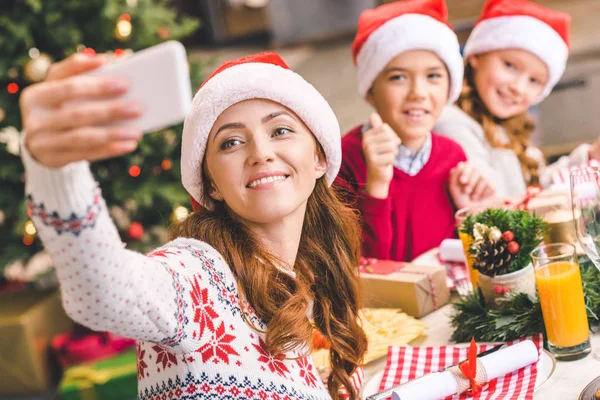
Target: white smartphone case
159,81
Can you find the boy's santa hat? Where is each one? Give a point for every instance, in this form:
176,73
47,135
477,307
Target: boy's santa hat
392,29
522,24
259,76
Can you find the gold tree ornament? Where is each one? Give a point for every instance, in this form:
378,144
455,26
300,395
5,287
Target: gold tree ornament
2,114
13,73
36,68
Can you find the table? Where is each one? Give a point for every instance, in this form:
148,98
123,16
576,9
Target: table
566,383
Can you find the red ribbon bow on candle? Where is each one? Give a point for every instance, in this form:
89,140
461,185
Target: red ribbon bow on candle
469,367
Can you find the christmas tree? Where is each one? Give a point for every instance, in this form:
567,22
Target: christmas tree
142,190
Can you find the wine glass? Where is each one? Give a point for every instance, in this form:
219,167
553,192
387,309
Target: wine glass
585,200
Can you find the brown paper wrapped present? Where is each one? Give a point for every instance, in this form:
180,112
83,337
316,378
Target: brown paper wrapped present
28,321
416,289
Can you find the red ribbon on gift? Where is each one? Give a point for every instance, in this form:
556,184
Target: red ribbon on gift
386,267
469,368
532,191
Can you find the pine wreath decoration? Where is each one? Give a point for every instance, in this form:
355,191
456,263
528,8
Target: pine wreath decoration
503,239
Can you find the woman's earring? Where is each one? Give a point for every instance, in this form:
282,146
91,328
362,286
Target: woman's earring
216,195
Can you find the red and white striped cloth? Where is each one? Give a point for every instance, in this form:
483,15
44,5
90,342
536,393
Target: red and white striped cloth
356,378
407,363
563,175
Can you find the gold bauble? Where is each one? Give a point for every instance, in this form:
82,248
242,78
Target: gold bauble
123,30
13,73
36,68
2,114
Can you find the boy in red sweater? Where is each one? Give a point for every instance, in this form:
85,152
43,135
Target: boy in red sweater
405,180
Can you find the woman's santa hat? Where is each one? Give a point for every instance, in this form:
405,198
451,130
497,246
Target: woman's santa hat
521,24
259,76
395,28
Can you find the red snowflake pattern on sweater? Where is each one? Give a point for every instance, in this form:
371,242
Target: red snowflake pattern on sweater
163,356
274,363
307,372
204,313
141,364
219,348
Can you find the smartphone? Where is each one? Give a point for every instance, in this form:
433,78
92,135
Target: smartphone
159,81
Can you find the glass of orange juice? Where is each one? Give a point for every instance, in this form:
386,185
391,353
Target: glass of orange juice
560,291
467,240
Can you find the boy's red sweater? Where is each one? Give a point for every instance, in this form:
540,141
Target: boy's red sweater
418,212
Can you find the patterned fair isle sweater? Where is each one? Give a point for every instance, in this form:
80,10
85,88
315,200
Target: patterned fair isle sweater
179,302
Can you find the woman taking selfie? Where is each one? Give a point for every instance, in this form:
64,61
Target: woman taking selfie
227,307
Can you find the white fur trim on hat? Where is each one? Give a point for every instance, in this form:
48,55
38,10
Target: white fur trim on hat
526,33
255,81
404,33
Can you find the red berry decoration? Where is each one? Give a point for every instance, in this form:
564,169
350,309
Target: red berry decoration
508,236
135,231
498,289
513,247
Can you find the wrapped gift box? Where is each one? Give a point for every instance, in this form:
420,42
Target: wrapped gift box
112,378
28,321
416,289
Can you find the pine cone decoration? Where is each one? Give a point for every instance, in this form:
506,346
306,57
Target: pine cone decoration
493,258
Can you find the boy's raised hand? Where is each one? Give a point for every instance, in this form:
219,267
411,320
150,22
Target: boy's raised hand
467,185
380,146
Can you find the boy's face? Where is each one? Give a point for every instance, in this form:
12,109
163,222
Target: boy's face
509,81
410,93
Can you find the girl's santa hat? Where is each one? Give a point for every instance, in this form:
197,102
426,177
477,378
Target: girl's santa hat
522,24
392,29
259,76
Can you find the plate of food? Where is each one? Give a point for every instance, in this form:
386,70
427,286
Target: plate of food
384,327
546,368
591,391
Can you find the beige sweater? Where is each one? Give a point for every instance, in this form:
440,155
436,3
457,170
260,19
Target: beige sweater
500,165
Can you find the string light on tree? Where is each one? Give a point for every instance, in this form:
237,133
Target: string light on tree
2,217
163,32
30,233
179,214
12,88
123,28
13,73
166,164
135,231
30,228
36,68
135,171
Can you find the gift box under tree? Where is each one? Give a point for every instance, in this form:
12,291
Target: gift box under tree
112,378
28,321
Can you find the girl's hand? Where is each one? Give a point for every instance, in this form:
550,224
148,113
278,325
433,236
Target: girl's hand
467,185
70,117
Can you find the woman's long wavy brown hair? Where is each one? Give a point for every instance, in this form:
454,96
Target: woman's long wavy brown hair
518,128
327,272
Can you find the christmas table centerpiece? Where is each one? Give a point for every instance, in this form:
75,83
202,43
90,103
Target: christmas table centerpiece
502,241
